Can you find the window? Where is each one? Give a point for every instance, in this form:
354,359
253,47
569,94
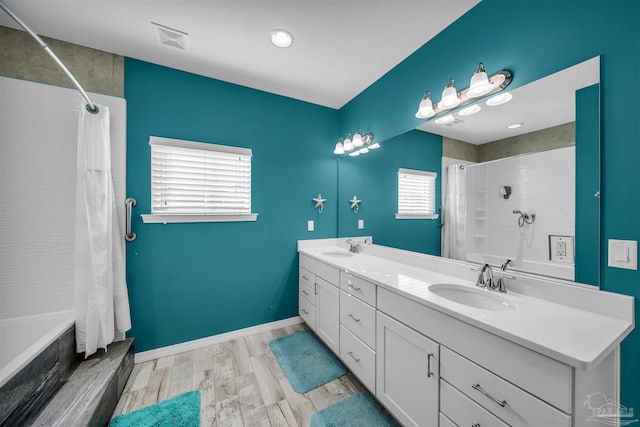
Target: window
199,182
416,194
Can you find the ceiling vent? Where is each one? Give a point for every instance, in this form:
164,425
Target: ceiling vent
170,37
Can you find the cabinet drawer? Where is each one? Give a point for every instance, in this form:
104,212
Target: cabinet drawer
463,411
320,269
361,289
359,318
308,292
359,358
520,409
307,312
306,278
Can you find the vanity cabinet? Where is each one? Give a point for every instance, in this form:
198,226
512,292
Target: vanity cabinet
358,328
319,300
407,374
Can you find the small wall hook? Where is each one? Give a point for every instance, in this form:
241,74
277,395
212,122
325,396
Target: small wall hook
319,201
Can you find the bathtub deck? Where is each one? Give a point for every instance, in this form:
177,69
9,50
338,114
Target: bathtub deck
92,391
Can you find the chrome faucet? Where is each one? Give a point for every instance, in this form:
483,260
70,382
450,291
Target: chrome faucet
500,287
485,279
353,246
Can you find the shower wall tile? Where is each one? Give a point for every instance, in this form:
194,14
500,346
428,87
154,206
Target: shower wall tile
97,71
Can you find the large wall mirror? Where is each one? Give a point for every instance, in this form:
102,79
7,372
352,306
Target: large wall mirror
528,193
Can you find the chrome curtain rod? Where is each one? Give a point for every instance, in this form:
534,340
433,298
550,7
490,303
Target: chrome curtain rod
91,107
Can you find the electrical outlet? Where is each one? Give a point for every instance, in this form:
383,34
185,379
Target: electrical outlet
309,225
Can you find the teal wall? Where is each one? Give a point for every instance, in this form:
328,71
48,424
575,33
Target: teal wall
534,38
188,281
373,177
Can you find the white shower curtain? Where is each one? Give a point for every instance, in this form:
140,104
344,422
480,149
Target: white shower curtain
101,300
455,211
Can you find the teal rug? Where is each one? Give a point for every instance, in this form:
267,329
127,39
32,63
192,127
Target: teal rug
180,411
359,410
306,362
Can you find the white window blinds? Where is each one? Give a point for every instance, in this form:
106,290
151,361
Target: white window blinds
416,194
193,178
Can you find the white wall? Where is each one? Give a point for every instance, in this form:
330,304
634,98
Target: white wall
541,183
38,136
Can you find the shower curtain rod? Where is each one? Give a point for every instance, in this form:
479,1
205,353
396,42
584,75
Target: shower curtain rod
91,107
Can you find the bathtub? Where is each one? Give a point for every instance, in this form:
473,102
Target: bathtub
24,338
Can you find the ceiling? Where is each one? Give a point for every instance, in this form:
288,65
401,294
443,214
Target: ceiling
547,102
340,46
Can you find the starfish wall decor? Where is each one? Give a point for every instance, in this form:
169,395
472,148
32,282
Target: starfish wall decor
319,202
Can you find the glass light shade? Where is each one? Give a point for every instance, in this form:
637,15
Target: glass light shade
425,109
445,119
449,97
348,145
357,139
374,146
281,38
480,84
354,154
500,99
368,138
339,148
364,150
470,110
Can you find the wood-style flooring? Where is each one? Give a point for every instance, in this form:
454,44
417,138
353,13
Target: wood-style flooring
240,381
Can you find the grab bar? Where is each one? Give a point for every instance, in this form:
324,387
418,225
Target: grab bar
129,236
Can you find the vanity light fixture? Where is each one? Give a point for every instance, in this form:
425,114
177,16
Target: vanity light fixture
450,97
356,145
425,109
281,38
481,86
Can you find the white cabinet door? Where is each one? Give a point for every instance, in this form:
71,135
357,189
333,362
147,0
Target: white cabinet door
328,314
407,371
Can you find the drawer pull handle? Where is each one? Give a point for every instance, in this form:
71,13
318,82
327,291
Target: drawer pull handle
429,373
351,287
315,289
306,279
475,425
305,311
502,403
305,292
353,318
353,357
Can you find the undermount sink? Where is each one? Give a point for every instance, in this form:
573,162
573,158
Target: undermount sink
472,297
338,254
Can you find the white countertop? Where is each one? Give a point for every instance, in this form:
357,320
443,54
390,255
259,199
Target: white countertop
571,335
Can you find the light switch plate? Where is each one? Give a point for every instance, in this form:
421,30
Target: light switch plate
309,225
360,224
623,254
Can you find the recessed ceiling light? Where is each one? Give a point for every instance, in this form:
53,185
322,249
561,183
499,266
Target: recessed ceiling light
515,125
281,38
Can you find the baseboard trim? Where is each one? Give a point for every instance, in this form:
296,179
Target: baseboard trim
171,350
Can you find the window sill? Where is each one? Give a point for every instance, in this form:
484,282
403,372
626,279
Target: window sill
167,219
407,216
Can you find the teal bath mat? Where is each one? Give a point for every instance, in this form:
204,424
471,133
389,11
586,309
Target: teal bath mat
359,410
180,411
306,362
